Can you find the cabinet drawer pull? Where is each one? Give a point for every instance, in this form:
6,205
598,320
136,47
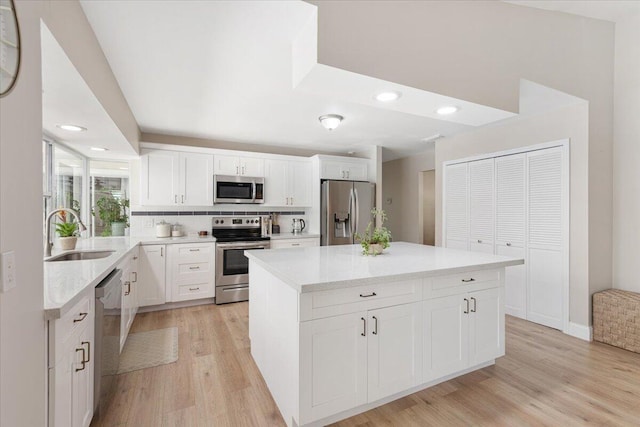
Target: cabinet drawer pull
473,310
194,289
479,241
194,250
194,268
88,351
135,258
467,310
372,294
83,361
364,327
375,326
82,317
295,244
128,285
469,280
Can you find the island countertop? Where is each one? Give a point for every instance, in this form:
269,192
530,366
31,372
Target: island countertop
330,267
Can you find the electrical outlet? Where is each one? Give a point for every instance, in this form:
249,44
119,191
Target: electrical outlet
8,271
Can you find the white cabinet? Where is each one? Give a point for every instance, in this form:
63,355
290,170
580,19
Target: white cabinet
288,183
190,271
461,331
343,168
174,178
295,243
71,365
129,267
238,165
456,202
151,277
481,206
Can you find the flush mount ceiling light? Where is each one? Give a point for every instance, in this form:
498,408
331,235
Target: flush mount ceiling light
330,121
72,128
443,111
388,96
98,149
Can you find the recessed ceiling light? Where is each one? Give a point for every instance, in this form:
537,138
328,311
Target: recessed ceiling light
388,96
98,149
72,128
443,111
330,121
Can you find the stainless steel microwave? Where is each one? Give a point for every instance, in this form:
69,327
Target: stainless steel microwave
238,189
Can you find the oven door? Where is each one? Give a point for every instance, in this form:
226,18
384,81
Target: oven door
232,267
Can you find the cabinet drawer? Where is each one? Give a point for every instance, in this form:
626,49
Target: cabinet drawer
193,291
320,304
294,243
193,253
441,286
193,267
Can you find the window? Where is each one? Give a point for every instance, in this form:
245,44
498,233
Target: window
109,181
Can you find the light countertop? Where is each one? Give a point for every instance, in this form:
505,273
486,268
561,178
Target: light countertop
65,282
330,267
282,236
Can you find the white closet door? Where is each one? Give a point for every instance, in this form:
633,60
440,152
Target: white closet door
481,206
545,297
510,228
456,206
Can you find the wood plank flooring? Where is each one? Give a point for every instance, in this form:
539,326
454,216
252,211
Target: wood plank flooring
546,379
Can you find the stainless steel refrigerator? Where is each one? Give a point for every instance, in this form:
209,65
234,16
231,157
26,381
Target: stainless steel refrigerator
345,209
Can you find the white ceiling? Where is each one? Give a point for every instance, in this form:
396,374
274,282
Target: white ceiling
607,10
223,70
66,99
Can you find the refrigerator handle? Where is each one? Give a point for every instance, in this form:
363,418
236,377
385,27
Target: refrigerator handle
357,204
351,212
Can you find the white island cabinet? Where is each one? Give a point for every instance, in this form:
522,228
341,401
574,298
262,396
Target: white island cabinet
335,333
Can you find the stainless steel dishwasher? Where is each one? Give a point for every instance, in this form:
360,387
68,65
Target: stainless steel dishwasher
107,339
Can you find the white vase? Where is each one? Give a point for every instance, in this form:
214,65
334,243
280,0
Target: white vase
117,228
375,249
68,243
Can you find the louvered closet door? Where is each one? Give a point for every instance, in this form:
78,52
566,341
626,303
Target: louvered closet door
510,228
545,259
481,206
456,207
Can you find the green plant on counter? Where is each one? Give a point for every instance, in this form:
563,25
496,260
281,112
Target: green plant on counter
66,229
111,210
380,236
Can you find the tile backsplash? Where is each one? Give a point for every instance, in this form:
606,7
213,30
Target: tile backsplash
143,222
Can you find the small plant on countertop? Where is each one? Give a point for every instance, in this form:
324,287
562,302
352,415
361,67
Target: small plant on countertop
111,210
375,239
66,229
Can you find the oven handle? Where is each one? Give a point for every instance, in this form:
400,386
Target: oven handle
242,245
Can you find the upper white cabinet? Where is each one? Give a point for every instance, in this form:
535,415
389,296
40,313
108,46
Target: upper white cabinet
347,168
481,206
176,178
238,165
456,189
288,183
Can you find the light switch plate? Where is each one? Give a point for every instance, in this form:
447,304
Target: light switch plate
8,266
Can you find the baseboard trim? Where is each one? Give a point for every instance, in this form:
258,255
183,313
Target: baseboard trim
580,331
172,305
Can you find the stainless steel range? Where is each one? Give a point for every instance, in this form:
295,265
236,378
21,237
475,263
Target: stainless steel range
234,235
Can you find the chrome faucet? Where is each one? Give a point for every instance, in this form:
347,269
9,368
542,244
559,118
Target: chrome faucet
47,228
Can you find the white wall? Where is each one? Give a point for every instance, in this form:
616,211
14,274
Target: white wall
401,184
22,327
626,155
568,122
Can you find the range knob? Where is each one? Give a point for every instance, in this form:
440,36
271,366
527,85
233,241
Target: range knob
217,221
247,221
222,221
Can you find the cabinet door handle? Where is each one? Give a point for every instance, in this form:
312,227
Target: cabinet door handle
88,351
479,241
82,317
194,250
243,170
237,170
469,280
194,289
372,294
135,273
128,285
182,198
473,310
375,326
508,244
135,258
364,327
161,250
347,174
83,361
467,310
175,198
194,268
292,201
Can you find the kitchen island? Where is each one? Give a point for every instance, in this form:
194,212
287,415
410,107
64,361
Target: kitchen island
335,333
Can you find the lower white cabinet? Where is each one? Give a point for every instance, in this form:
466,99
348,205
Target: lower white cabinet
129,267
461,331
190,271
151,280
71,366
295,243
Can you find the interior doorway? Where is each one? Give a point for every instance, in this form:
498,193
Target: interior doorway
427,206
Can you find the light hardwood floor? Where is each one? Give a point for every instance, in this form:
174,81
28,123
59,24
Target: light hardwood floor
546,378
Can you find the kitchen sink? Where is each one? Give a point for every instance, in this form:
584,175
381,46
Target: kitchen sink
79,256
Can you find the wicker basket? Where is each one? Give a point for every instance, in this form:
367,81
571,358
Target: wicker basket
616,319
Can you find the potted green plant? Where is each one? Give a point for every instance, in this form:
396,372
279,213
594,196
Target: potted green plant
113,213
68,237
375,239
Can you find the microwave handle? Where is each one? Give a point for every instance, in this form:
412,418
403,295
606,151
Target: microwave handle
253,192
